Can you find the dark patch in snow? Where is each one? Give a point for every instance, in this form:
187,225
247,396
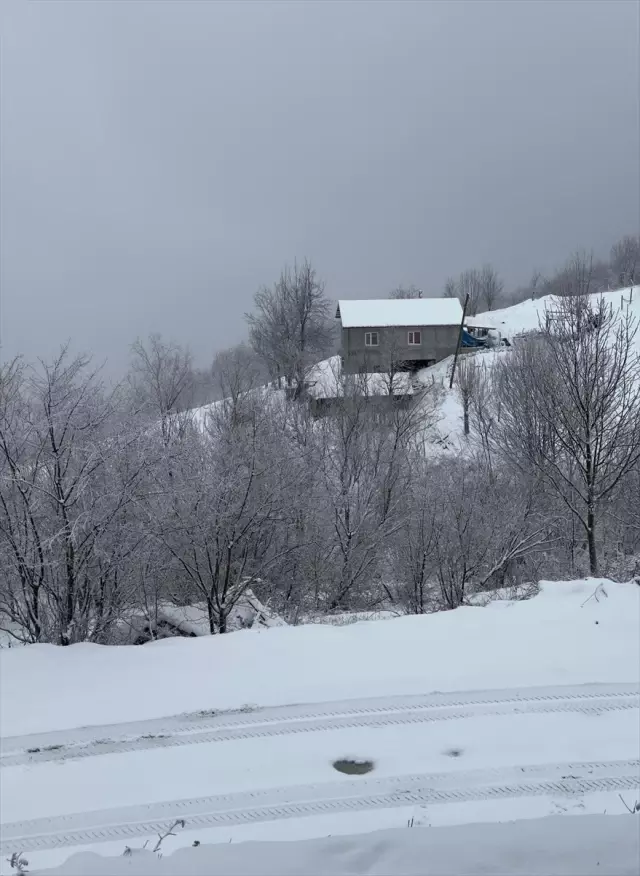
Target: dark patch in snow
241,710
453,752
353,767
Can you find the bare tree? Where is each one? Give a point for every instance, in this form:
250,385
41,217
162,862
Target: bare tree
68,477
401,292
290,328
570,408
470,283
535,282
625,260
485,414
413,547
237,372
216,518
451,288
491,287
575,278
161,381
475,551
364,467
467,380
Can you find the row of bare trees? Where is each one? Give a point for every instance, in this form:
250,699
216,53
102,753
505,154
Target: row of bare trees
114,501
109,505
581,274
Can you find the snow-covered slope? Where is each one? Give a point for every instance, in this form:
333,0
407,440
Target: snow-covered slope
529,315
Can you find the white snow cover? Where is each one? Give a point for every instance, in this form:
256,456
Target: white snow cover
529,315
593,844
326,380
550,639
374,312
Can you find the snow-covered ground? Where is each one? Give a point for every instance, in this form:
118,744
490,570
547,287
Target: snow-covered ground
516,710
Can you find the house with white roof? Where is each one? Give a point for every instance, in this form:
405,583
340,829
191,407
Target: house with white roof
380,335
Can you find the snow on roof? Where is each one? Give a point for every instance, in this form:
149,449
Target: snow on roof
399,312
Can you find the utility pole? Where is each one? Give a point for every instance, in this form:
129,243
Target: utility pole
455,358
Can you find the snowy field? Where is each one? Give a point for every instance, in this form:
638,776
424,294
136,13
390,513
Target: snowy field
505,713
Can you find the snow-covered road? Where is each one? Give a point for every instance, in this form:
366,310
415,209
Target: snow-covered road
207,727
276,764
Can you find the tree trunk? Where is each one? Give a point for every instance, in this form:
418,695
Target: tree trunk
591,541
212,623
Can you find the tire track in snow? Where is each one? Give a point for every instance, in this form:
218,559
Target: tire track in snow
321,799
378,712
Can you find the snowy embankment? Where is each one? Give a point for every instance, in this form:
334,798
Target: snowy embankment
543,847
561,636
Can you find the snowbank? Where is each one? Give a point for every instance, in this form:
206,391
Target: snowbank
529,315
562,636
555,846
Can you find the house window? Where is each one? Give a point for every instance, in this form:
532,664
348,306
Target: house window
371,339
415,339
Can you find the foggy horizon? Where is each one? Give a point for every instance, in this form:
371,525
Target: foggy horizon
161,162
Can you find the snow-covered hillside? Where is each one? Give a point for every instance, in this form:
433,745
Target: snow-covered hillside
445,434
510,322
529,315
513,710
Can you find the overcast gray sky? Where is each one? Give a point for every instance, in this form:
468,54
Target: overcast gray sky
161,160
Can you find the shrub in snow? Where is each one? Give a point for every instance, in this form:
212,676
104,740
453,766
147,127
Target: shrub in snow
18,863
128,851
